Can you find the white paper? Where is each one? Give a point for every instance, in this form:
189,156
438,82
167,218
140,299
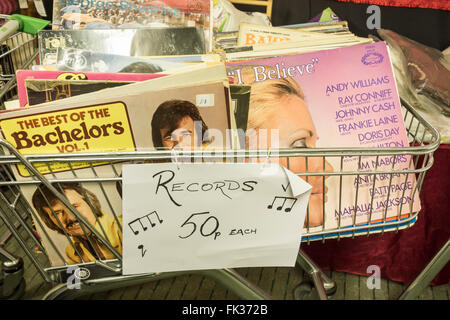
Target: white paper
193,216
12,104
40,8
23,4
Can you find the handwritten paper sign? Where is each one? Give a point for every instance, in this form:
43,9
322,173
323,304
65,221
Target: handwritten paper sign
211,216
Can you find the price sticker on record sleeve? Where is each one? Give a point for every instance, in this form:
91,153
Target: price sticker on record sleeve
100,128
192,216
204,100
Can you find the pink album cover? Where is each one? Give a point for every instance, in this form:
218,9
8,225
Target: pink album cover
23,75
345,97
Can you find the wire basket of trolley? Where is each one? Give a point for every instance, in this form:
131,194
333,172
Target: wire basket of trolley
374,190
18,50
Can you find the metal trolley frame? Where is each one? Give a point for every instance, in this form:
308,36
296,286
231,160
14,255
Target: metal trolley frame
17,52
102,275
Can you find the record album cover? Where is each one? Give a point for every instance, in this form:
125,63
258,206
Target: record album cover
41,91
133,42
24,75
335,98
141,116
70,59
125,14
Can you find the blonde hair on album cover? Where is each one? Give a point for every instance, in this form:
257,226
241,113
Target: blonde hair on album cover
265,94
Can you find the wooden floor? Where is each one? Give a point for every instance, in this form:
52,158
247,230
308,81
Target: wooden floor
279,283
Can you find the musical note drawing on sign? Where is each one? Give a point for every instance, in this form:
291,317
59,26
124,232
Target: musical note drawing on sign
290,200
143,251
142,221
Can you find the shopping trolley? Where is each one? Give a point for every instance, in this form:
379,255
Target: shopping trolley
103,275
106,274
17,52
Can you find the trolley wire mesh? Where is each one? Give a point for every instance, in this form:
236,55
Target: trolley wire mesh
420,156
16,211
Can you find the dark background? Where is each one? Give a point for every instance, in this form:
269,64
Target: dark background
427,26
